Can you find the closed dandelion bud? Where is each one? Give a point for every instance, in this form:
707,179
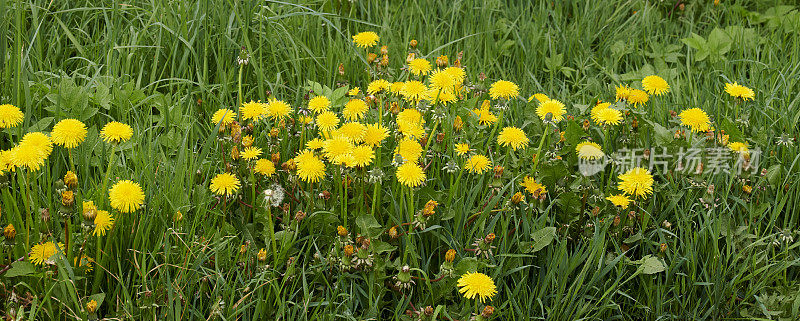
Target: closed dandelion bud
89,211
710,189
458,123
341,230
429,310
596,210
287,207
487,311
91,306
677,134
498,171
262,255
517,198
631,215
699,169
348,250
384,50
585,124
666,224
747,189
234,153
395,108
716,2
371,57
710,136
646,154
67,198
44,215
236,132
681,6
177,217
663,247
299,216
489,238
341,69
481,76
275,157
274,132
439,138
424,140
71,180
673,113
393,232
457,63
442,61
325,195
243,249
450,256
635,124
385,60
9,232
413,43
617,220
247,141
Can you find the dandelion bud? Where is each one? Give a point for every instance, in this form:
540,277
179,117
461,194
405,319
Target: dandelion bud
299,216
596,210
371,57
517,198
413,43
385,60
286,207
9,232
439,138
617,220
341,230
450,256
247,141
89,210
442,61
457,63
71,180
646,153
274,132
487,311
395,108
481,76
677,134
716,2
458,123
663,247
243,249
393,232
498,171
234,153
262,255
177,217
631,215
586,124
666,224
275,157
67,198
325,195
236,132
747,189
91,306
341,69
348,250
681,6
699,169
635,124
44,215
384,50
411,56
489,238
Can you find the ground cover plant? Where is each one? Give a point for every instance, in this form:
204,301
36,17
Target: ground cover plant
400,160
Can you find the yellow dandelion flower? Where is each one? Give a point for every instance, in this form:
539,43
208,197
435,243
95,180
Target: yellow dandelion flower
503,89
485,117
442,80
103,222
69,133
619,200
278,109
337,148
6,161
457,74
310,168
27,156
512,136
375,134
319,104
353,131
589,150
638,97
462,149
409,149
10,116
597,108
738,91
410,174
250,153
366,39
739,147
419,66
377,86
355,109
414,91
441,96
225,184
553,107
637,182
476,284
44,253
533,187
362,156
696,119
116,132
264,167
539,97
126,196
478,164
607,116
623,92
327,121
223,117
410,115
40,141
397,87
315,144
253,110
655,85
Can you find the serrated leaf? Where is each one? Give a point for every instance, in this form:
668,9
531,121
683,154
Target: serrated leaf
369,225
542,238
651,265
20,268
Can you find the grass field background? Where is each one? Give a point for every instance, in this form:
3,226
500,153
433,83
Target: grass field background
165,67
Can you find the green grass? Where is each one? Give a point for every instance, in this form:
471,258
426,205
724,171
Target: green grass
166,67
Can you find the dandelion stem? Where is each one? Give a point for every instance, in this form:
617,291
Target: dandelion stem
539,150
110,165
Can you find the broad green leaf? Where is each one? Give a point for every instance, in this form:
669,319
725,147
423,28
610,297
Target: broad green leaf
542,238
